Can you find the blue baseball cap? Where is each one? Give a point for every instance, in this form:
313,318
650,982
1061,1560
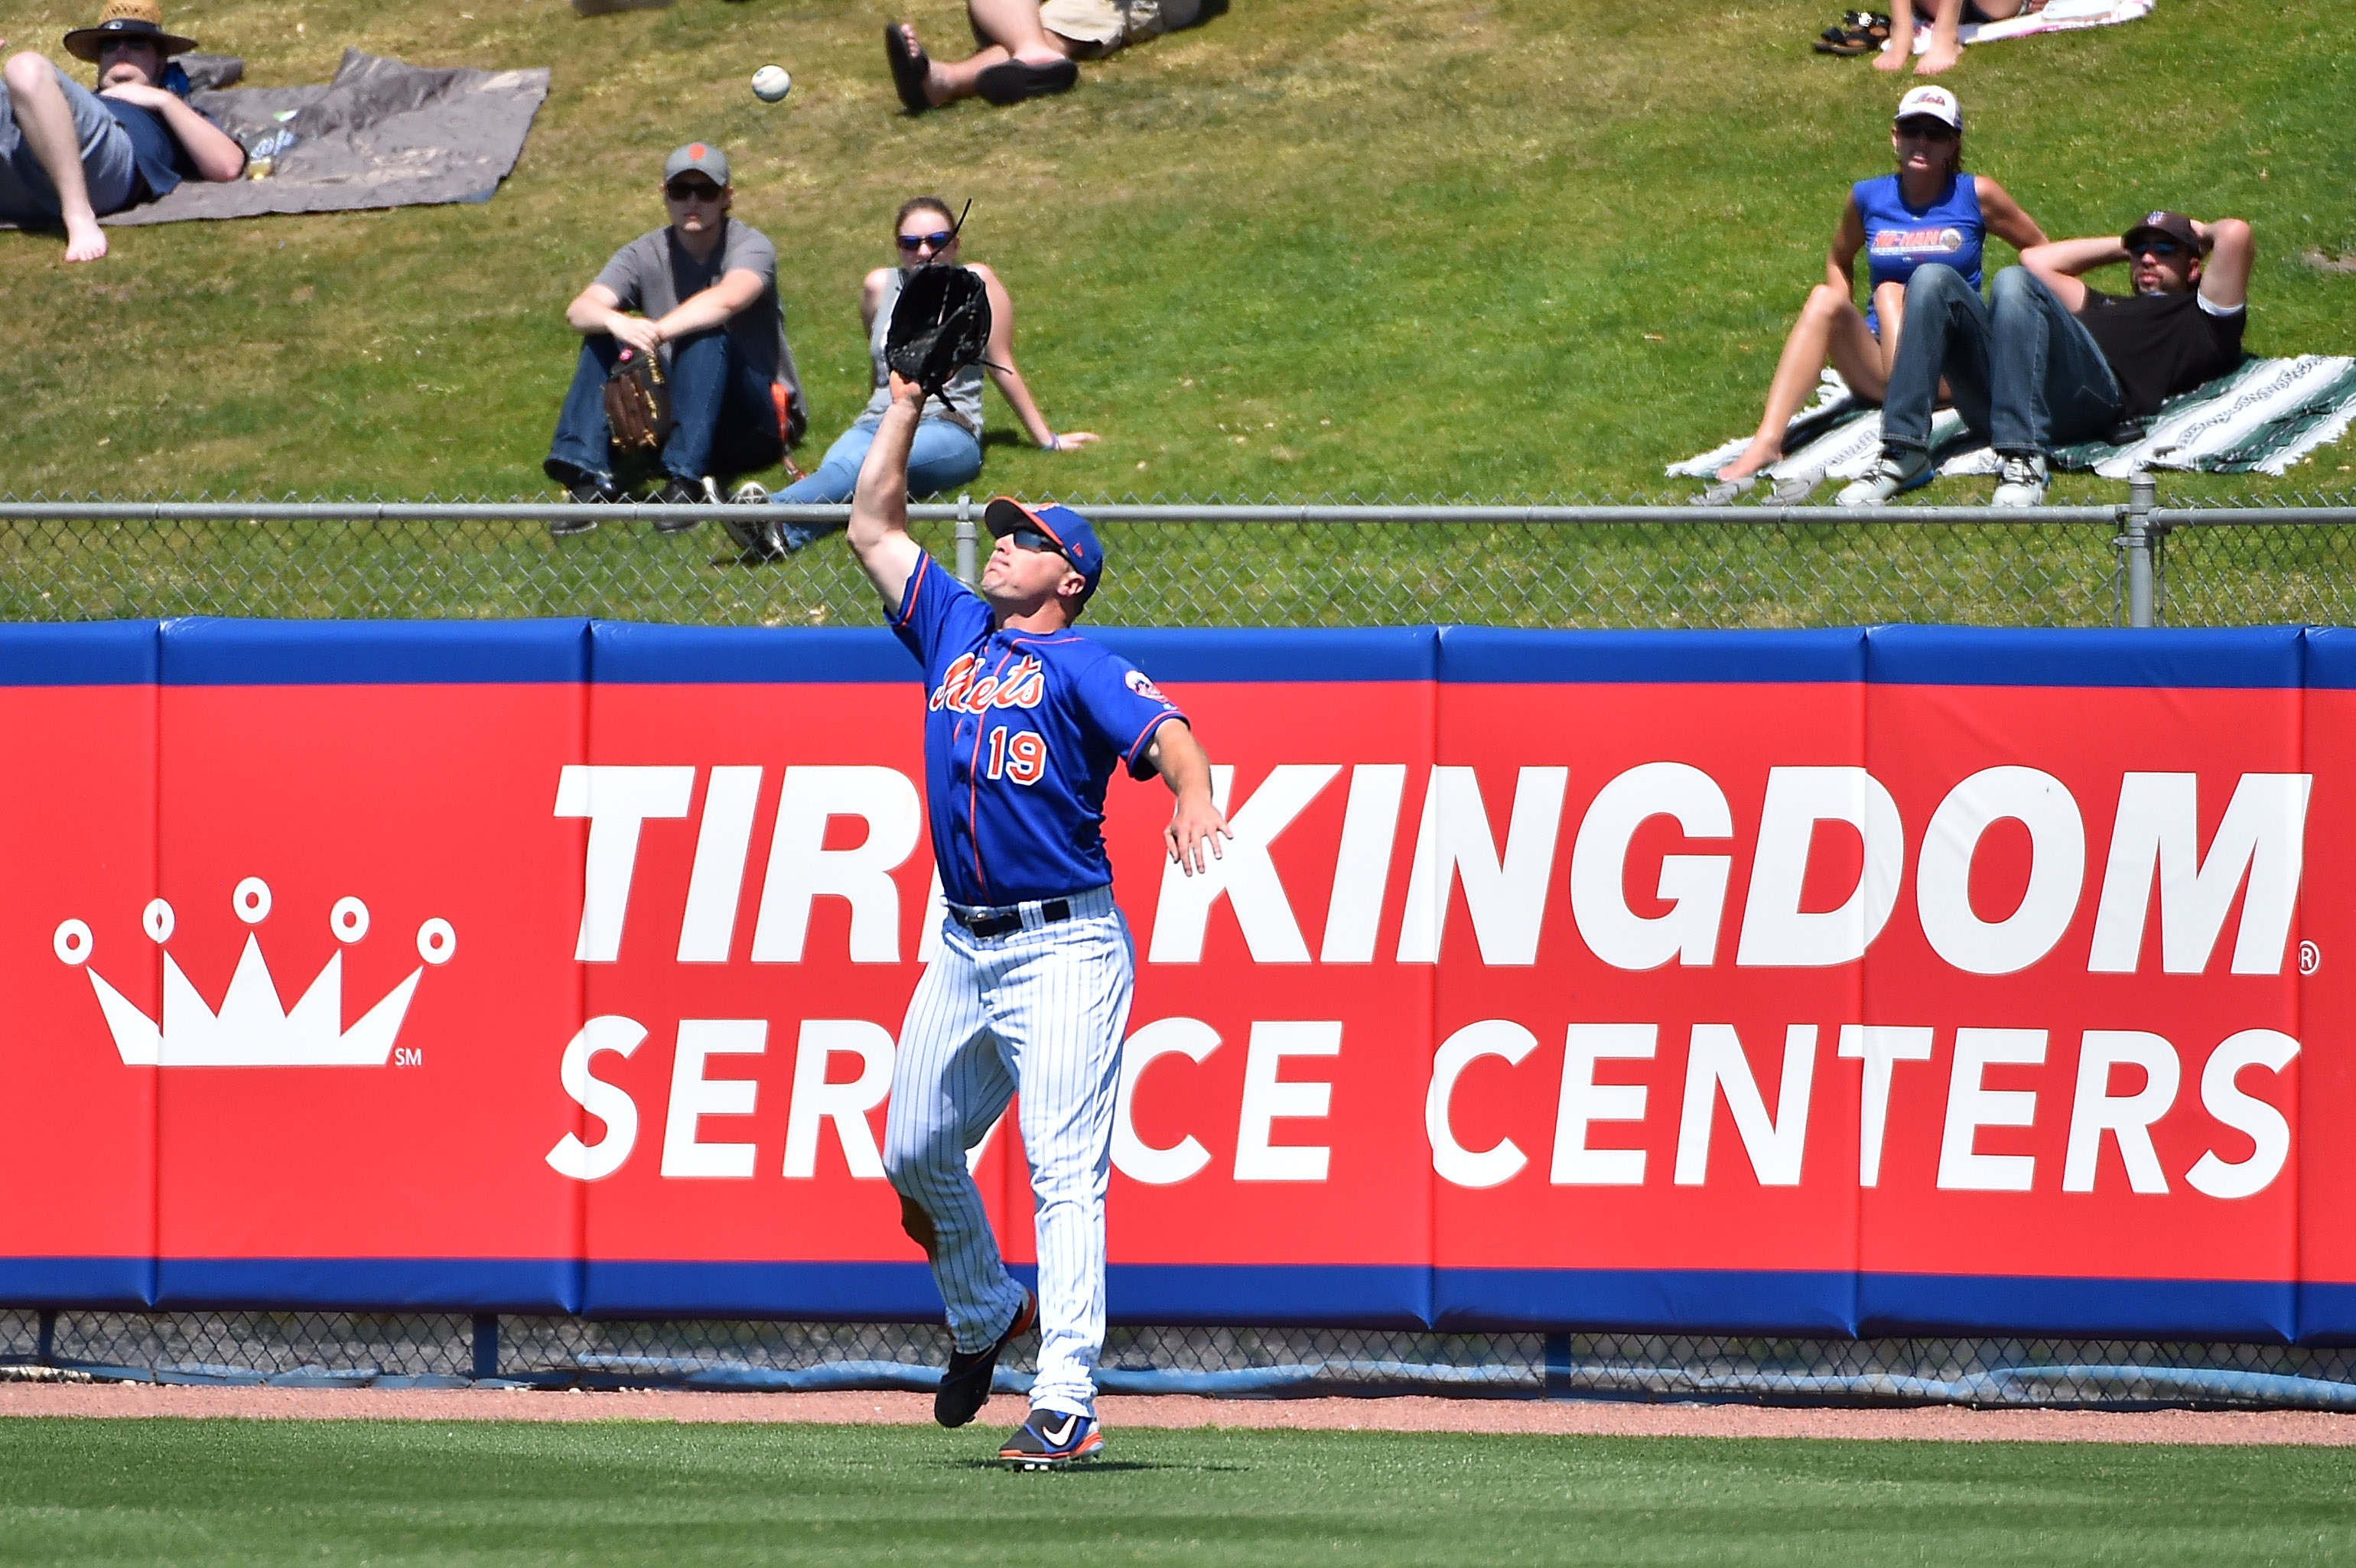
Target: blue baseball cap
1066,532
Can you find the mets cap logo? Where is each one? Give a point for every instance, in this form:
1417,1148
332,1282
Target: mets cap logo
252,1028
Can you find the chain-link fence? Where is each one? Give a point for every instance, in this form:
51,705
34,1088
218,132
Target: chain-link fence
1559,562
328,1349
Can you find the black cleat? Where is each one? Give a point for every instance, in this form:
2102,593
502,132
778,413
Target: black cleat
683,493
965,1387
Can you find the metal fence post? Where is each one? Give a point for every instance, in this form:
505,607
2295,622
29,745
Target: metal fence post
486,1345
965,541
45,1343
2143,494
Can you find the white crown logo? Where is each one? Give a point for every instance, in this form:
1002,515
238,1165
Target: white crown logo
254,1028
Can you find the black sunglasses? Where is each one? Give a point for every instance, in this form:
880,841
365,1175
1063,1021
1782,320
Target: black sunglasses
1927,129
1033,539
691,190
2163,248
914,242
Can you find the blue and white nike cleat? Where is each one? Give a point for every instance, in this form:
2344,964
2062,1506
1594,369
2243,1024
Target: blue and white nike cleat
1052,1439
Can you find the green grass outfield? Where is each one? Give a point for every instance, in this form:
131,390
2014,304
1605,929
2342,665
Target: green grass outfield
252,1492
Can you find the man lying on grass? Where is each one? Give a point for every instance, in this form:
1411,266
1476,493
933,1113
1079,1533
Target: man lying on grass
69,156
2049,361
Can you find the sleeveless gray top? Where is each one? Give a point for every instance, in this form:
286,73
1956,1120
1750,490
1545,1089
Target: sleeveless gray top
964,390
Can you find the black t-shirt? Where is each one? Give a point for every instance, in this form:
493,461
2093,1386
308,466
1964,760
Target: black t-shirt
2160,344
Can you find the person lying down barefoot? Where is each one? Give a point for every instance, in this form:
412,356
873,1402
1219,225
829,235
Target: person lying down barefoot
1948,17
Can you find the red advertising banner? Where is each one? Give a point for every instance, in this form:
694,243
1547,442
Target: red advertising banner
1878,981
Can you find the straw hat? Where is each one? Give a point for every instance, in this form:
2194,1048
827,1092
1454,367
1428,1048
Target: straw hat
121,18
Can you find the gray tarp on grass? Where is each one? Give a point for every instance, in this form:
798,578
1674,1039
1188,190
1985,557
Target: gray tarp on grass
381,135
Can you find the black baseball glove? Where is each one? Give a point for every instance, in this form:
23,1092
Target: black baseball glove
940,327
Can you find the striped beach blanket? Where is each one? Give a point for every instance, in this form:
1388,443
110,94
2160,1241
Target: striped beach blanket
2059,17
2261,419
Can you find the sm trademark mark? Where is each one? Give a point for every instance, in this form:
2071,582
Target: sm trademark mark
409,1056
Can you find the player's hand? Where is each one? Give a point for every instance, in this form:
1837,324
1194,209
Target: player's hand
1069,440
1196,824
904,391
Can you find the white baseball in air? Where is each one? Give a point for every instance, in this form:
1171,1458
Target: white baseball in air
771,83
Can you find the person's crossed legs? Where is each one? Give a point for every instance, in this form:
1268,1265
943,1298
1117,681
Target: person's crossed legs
1014,31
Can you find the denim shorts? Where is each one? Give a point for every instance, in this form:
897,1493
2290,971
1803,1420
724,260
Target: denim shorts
26,197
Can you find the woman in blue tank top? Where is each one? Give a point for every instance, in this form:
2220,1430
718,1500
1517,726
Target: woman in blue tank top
1928,211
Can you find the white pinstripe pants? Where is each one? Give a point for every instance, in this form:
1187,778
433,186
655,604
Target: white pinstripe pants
1039,1011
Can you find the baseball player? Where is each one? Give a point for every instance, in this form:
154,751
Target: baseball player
1031,992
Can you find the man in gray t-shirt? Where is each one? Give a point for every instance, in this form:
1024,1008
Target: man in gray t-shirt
701,294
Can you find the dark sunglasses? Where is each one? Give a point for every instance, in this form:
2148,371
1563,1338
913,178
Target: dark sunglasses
1923,128
914,242
691,190
1033,539
2163,248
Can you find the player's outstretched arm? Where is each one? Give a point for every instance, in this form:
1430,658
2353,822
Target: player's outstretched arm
1178,757
879,507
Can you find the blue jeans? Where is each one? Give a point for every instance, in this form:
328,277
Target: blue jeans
944,455
2024,373
723,420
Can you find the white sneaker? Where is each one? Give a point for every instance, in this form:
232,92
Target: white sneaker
2023,483
1897,469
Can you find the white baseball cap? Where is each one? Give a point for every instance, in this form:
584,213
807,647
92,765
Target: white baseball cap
1933,102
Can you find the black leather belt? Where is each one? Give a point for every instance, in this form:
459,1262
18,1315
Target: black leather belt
1011,920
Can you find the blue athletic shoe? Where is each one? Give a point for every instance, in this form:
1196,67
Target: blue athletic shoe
1052,1439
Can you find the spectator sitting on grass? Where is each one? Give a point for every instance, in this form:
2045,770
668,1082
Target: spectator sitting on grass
2049,361
1028,47
1948,17
948,450
69,156
704,294
1929,210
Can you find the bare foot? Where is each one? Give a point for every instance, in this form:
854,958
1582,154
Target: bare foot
85,240
1893,58
1754,457
1936,59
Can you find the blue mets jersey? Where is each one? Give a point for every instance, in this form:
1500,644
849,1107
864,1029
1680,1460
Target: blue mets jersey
1022,731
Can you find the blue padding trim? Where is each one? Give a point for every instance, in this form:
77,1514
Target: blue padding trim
622,652
1335,1296
370,1284
2233,658
1384,652
96,652
2327,1314
1500,655
2330,657
199,650
2246,1310
125,1283
882,1292
1698,1301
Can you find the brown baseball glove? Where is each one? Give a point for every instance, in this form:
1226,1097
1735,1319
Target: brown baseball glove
637,404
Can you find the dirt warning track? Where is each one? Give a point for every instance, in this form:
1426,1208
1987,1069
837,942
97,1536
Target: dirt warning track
1947,1423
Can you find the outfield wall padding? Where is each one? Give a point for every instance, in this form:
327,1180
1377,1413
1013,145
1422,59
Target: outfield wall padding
1902,980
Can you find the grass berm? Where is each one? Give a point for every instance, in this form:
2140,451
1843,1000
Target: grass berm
1345,247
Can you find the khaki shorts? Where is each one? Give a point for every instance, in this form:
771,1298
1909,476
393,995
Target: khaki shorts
1098,27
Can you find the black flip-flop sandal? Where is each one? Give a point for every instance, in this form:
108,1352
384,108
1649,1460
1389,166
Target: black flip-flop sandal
909,69
1017,79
